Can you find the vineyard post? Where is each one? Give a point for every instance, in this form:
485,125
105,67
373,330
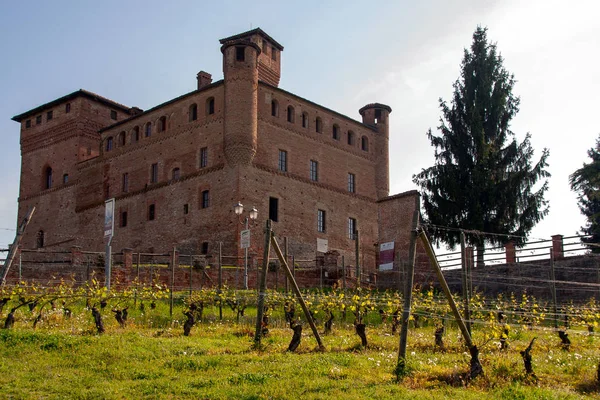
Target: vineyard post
410,275
260,307
191,269
137,273
357,250
343,273
553,289
220,265
285,249
296,290
294,266
465,288
172,281
20,266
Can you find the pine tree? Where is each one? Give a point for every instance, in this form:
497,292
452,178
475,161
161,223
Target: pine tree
586,181
483,179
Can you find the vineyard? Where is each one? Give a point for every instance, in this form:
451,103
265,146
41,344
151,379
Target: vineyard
524,346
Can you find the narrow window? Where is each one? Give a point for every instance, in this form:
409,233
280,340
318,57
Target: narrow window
154,173
351,138
67,108
240,53
364,143
28,123
314,170
274,53
186,208
135,135
305,120
48,178
318,125
49,115
109,143
148,131
273,209
336,132
125,185
39,240
321,221
123,219
205,199
122,138
351,228
151,212
38,120
107,191
210,106
351,183
283,160
175,174
162,124
65,179
290,114
204,248
113,114
203,157
274,108
378,116
193,112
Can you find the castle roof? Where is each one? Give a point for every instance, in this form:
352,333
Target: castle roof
250,33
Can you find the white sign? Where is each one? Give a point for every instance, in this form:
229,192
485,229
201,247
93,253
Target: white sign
386,256
245,239
322,245
109,218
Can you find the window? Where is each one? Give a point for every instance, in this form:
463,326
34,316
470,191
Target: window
240,53
109,143
39,240
38,120
290,114
151,212
162,124
28,123
283,160
48,178
351,183
321,221
351,228
113,114
65,179
193,112
67,108
175,174
364,143
154,173
204,248
49,115
186,208
351,138
336,132
273,209
135,135
122,138
378,117
265,46
318,125
205,199
314,170
305,120
274,53
274,108
123,219
203,157
125,185
107,191
148,131
210,106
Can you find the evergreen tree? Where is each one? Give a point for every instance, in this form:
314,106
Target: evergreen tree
586,181
483,179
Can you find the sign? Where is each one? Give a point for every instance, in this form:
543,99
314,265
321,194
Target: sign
109,218
386,256
245,239
322,245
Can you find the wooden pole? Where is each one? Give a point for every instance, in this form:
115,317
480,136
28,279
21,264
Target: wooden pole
343,273
285,253
260,307
553,289
191,273
220,279
297,292
137,273
172,282
357,250
15,246
465,286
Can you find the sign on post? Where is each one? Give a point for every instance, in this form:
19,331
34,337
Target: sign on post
109,219
322,245
386,256
245,239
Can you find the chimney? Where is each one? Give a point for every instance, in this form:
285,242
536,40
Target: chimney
204,79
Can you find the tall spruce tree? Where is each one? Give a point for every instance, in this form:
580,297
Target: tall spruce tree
586,182
483,179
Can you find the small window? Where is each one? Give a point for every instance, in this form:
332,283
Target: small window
109,143
273,53
107,191
122,138
193,112
65,179
205,199
48,178
282,161
378,116
290,114
240,53
28,123
321,221
38,120
351,183
154,173
305,120
113,114
67,108
351,228
123,219
39,240
203,157
175,174
210,106
319,125
162,124
125,185
314,170
364,143
336,132
151,212
135,135
204,249
148,130
274,209
186,208
49,115
274,108
351,138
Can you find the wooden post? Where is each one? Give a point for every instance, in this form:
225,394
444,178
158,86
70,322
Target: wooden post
15,246
357,250
553,289
191,276
343,273
220,261
285,254
172,282
297,292
20,266
260,307
465,286
137,273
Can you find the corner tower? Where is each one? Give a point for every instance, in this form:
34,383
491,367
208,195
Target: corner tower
377,115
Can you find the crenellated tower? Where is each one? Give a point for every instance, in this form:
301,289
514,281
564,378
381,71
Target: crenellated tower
377,115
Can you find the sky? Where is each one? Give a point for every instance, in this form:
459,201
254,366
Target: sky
341,54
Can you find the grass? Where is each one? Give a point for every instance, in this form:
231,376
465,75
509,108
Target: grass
151,359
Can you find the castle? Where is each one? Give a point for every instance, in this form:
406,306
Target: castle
177,170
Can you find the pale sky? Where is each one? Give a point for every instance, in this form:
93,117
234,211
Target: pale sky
341,54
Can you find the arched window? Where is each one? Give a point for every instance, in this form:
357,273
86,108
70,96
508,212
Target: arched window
148,130
135,134
162,124
175,174
290,114
48,178
336,132
305,120
319,125
109,143
364,143
210,106
274,108
122,138
193,112
351,138
39,240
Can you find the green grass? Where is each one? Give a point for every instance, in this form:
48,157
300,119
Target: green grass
151,358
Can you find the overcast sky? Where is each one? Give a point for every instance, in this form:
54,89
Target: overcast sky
341,54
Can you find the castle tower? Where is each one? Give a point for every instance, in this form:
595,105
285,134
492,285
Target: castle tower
377,114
